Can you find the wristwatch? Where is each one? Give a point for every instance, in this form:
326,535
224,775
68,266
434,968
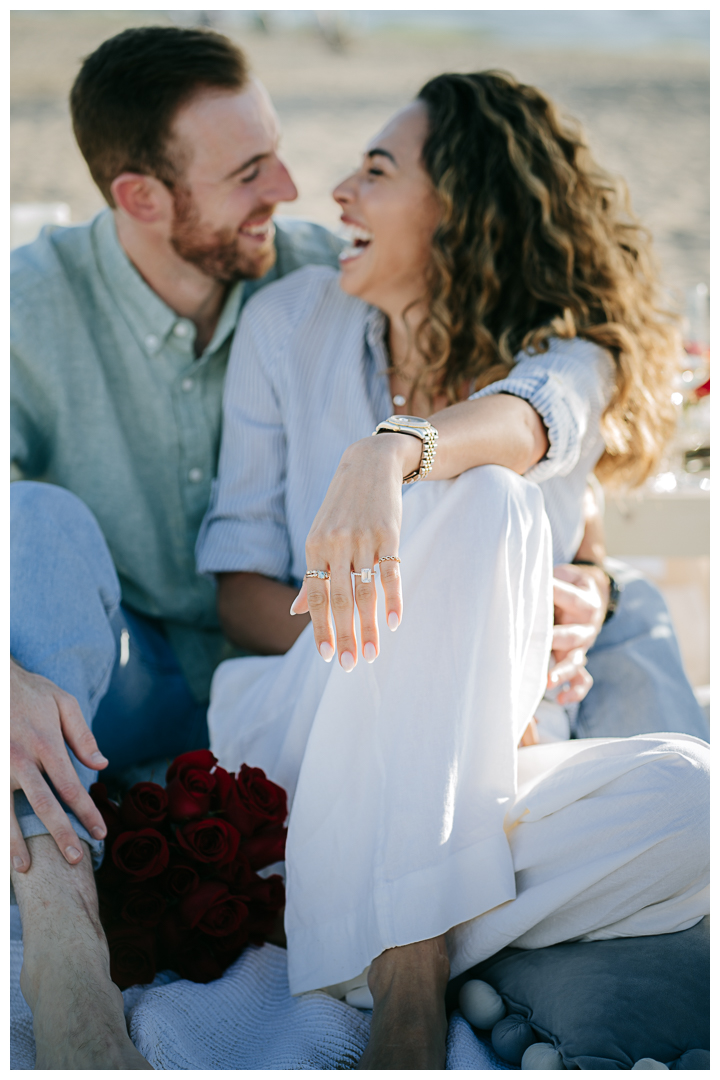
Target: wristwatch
615,587
421,429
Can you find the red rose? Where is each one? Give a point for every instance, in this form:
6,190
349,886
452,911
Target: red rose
212,909
266,847
181,880
226,800
142,854
237,873
210,841
196,759
132,956
269,892
143,907
109,810
264,802
190,792
144,806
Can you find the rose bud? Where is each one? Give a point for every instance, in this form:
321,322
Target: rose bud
132,956
181,880
264,802
144,806
189,793
142,907
195,759
210,841
226,800
266,847
142,854
212,909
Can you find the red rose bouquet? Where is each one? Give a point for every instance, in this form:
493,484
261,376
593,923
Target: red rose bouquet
178,886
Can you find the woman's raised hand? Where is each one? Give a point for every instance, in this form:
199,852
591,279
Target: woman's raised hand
357,524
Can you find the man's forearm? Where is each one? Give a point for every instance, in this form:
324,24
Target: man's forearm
254,612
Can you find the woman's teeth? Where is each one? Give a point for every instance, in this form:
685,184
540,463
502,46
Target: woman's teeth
358,240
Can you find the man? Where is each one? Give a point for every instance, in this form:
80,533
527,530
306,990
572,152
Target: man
121,333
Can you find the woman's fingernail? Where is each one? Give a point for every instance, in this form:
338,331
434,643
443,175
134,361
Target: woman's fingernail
99,832
292,606
98,759
73,853
393,621
326,651
347,661
18,862
369,652
554,678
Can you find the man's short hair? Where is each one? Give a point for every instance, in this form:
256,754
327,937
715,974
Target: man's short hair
129,90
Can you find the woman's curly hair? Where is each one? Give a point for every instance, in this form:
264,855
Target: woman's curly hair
535,241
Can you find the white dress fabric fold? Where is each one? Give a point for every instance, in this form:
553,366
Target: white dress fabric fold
402,776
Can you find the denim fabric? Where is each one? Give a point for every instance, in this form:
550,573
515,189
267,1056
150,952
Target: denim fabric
148,712
639,684
67,624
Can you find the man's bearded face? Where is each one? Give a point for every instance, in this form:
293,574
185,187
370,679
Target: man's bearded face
224,254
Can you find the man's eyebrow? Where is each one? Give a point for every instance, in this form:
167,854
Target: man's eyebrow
246,165
382,153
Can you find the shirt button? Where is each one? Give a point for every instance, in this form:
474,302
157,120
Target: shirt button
187,385
195,476
181,329
151,341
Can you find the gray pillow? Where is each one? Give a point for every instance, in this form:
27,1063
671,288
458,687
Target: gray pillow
606,1004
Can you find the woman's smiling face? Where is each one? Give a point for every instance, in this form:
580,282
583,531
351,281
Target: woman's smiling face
391,209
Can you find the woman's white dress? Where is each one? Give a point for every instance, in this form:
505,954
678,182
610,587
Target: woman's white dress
406,817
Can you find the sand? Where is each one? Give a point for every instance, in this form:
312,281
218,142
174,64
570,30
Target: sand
646,116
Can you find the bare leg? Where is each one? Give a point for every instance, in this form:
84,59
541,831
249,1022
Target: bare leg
77,1010
409,1026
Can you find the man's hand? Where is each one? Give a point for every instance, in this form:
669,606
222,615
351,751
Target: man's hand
580,595
42,719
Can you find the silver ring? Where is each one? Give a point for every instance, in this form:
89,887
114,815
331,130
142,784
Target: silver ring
325,574
365,574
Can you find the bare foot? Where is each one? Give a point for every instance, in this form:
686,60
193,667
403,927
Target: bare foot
77,1010
409,1026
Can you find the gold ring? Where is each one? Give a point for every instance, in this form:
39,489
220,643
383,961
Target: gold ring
364,574
318,573
395,558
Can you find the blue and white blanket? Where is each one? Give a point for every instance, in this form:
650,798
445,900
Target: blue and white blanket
245,1020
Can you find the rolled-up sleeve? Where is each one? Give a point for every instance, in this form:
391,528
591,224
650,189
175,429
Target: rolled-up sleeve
569,387
244,528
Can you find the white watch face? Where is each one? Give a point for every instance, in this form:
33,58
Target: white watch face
411,421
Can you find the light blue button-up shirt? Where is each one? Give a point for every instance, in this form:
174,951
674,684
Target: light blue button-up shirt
109,400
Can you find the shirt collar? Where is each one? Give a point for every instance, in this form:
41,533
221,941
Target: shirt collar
148,315
375,329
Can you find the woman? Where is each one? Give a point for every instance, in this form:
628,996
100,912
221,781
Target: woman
496,285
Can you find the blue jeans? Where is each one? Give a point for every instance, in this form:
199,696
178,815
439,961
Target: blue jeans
639,683
67,623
